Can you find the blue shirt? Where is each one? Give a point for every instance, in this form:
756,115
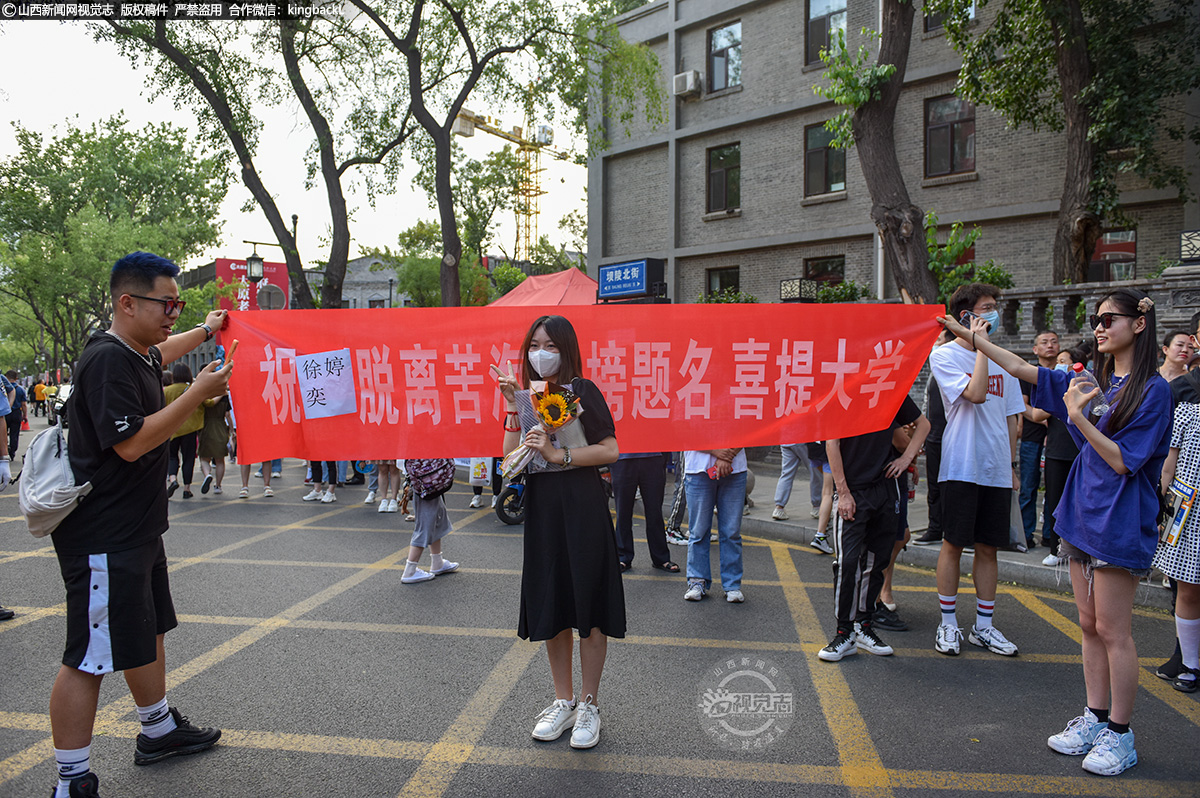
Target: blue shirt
1112,516
5,387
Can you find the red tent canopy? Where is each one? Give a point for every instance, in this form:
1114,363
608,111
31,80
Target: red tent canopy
570,287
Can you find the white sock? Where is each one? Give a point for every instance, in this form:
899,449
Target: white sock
157,719
949,605
437,561
410,568
72,763
983,612
1188,632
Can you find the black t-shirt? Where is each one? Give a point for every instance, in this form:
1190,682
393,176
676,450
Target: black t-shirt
816,451
596,418
864,457
1059,443
115,389
1031,430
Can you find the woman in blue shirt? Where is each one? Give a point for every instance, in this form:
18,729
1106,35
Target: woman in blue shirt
1107,517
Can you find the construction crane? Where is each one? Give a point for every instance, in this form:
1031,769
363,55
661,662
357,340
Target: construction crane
529,184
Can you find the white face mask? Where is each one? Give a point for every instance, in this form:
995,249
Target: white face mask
544,362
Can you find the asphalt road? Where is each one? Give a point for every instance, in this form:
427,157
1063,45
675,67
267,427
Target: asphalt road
331,678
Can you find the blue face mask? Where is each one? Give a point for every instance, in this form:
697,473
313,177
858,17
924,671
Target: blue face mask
1062,367
992,317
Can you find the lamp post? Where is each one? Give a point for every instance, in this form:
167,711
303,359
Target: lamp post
391,282
254,266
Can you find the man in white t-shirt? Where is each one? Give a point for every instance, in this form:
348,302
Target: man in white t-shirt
976,477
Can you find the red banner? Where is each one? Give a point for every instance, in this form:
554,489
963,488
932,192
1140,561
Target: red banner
416,382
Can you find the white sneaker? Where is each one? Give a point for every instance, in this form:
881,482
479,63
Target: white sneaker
1112,753
779,514
948,639
329,498
494,500
842,645
554,720
258,474
313,495
477,501
370,497
734,597
1079,736
990,638
419,575
587,725
868,641
275,475
393,506
383,505
695,590
447,567
1052,560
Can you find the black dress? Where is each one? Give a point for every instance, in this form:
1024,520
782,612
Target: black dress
571,577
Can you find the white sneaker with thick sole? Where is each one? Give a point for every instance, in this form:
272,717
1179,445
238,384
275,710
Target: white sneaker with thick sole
948,639
842,645
695,590
477,501
329,498
554,720
587,725
370,497
1112,753
990,638
779,514
734,596
383,505
1079,736
313,495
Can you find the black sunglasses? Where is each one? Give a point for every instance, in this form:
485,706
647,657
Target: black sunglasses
169,305
1106,319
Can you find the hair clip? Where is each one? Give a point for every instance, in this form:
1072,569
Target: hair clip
1144,304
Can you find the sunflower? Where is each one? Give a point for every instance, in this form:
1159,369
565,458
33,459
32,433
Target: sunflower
552,409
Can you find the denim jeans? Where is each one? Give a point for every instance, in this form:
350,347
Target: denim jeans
792,454
1031,478
727,495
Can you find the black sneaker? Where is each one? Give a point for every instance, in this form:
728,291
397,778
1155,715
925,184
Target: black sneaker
184,739
174,486
86,786
206,484
888,619
1171,669
928,539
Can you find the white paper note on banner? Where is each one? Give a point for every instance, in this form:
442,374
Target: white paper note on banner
326,381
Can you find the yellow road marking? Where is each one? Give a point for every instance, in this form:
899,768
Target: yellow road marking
862,769
455,747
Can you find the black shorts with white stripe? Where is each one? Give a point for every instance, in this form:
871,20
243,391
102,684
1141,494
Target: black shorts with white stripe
117,605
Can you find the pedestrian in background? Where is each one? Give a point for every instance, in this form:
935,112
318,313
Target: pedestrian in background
715,480
183,440
214,444
16,412
645,472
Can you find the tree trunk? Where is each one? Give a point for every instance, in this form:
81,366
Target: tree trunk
339,248
900,222
1079,226
451,243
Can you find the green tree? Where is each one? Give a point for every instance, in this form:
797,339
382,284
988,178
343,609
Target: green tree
520,53
336,75
946,261
870,92
507,278
482,189
202,299
547,258
72,205
1109,74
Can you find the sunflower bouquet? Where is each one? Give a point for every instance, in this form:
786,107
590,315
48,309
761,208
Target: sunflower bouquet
555,407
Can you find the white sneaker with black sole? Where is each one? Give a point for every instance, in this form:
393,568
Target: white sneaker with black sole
842,645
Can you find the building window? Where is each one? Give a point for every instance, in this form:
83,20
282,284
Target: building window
724,178
1115,257
719,280
935,20
825,19
949,136
825,270
725,56
375,303
824,166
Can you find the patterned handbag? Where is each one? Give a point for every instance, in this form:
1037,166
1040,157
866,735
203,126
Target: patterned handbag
430,478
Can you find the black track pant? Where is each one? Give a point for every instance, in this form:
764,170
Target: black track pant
863,549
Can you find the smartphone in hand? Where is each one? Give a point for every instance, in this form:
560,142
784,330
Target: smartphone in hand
712,473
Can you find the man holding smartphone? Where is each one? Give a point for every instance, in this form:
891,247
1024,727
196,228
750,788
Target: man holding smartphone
979,455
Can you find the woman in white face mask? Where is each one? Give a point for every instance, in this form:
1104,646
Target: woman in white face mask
571,577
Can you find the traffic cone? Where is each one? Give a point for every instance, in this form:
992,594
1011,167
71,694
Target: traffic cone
24,425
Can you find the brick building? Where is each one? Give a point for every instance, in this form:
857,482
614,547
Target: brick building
738,188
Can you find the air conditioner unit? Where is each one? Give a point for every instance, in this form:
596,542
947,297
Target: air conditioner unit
687,84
